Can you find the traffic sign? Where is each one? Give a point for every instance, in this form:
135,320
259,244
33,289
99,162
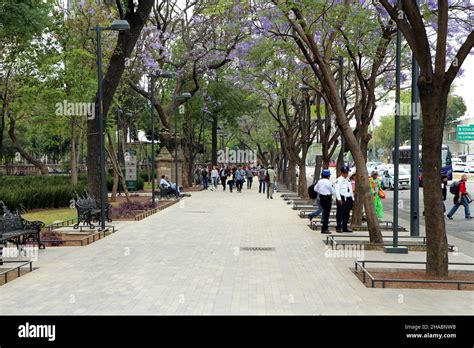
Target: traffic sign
465,132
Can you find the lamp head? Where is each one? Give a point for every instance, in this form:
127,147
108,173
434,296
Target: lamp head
186,95
119,25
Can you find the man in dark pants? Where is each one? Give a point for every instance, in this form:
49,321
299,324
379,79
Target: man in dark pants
325,191
223,174
345,199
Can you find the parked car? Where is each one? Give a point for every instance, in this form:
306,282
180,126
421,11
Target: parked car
469,168
403,178
459,167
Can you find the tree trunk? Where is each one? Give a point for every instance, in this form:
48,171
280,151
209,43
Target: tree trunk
359,203
302,182
74,172
317,168
339,162
434,103
113,197
116,168
37,163
292,175
125,43
214,141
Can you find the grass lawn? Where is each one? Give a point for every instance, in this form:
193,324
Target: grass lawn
48,216
147,185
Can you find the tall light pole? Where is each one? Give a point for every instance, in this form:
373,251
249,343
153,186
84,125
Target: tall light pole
166,75
395,248
185,96
415,149
119,145
117,25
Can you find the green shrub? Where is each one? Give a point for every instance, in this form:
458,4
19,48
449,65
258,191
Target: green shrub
34,192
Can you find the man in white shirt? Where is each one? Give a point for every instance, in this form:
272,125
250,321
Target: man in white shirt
163,183
345,199
325,190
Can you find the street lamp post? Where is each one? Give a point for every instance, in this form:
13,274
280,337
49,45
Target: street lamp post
415,157
185,96
117,25
119,146
395,248
153,77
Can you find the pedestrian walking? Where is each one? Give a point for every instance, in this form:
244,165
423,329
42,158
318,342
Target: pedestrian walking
249,174
325,190
239,178
461,197
444,189
204,175
231,179
271,179
345,199
223,174
214,178
377,193
261,179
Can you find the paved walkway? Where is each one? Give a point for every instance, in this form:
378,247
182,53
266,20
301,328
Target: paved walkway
187,260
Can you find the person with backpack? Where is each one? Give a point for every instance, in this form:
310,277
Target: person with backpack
204,175
460,197
314,195
325,191
223,174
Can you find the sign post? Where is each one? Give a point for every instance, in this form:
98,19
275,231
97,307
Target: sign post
131,170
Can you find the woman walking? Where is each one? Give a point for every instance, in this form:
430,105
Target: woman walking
231,179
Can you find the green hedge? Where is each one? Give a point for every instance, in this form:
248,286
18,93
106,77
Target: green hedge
35,192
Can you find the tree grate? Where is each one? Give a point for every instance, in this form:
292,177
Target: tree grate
257,248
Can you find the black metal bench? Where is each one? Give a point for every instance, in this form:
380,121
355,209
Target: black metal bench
88,211
166,193
15,229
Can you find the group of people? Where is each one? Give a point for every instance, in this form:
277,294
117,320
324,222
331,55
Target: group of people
236,176
344,192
